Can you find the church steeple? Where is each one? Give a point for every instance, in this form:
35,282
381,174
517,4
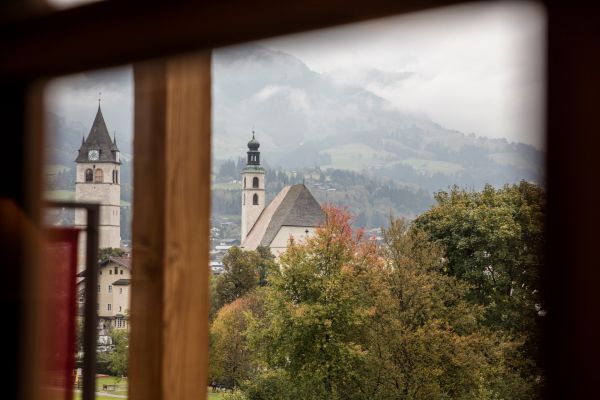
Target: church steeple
253,153
253,188
98,146
97,180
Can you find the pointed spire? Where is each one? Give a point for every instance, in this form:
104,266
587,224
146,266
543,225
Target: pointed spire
99,139
115,137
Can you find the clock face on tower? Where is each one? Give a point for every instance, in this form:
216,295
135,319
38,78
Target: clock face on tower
93,155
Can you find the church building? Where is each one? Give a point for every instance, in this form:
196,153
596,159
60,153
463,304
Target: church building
293,215
98,181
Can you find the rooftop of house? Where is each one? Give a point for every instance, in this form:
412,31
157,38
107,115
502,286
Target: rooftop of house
122,261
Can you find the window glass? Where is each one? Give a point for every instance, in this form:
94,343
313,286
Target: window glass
99,176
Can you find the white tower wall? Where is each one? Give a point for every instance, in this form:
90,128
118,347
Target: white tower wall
108,194
250,211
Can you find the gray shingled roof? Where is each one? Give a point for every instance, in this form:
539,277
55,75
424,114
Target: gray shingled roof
121,282
122,261
298,208
98,139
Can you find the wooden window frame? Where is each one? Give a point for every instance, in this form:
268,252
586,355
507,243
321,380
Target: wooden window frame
39,43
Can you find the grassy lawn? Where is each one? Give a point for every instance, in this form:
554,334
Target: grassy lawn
122,389
59,195
99,397
227,185
121,385
356,157
433,166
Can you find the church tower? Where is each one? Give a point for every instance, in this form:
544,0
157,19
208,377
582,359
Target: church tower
97,181
253,188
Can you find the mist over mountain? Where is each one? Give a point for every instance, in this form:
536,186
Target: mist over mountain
304,119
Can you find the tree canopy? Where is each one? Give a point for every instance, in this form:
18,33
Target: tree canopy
343,318
494,241
446,307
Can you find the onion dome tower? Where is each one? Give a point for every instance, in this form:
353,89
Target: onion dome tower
253,188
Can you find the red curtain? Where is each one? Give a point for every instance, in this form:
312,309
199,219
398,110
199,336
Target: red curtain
61,261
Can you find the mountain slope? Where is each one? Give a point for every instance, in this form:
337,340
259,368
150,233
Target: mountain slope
305,119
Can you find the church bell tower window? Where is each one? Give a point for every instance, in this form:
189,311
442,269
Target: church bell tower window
255,182
89,175
255,199
99,176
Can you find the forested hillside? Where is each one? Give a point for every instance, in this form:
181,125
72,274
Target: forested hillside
371,199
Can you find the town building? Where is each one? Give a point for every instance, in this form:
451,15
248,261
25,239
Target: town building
114,284
293,215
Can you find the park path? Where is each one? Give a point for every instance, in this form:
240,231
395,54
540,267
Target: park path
111,395
118,396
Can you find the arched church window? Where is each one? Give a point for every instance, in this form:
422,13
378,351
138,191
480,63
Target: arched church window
116,176
89,175
99,176
255,199
244,182
255,182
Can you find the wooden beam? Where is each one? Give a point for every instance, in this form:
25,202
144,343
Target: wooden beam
169,327
572,348
20,242
117,32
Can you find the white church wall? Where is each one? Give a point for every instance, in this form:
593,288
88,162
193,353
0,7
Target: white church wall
282,239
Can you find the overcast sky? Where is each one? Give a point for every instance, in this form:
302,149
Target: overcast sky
475,68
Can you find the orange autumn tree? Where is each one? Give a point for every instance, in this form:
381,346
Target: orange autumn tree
345,319
316,309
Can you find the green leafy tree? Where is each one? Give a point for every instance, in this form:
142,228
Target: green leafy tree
107,252
230,358
118,358
79,335
316,315
494,241
429,338
266,266
244,271
346,320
